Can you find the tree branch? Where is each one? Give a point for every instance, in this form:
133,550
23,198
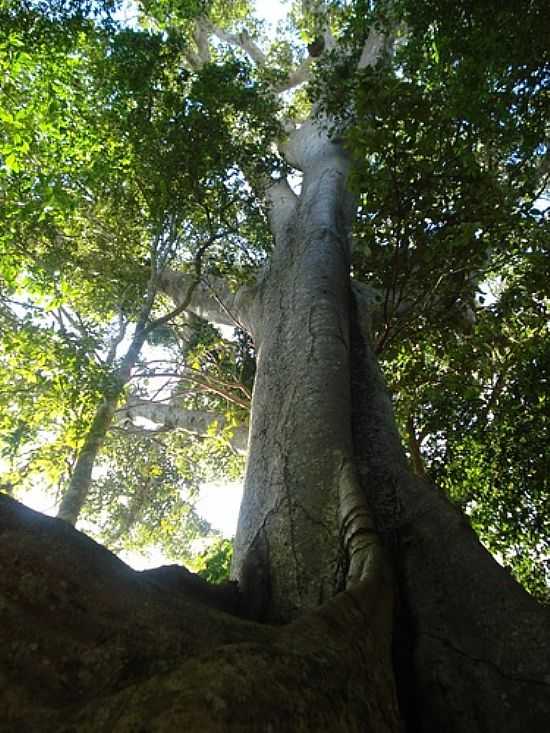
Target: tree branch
297,76
196,422
117,339
242,40
210,298
414,448
200,35
281,202
245,42
372,50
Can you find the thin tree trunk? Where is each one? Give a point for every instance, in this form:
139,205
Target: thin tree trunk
81,478
414,448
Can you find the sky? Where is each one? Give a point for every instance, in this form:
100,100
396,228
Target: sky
219,501
271,10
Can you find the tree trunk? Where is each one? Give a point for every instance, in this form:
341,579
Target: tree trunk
471,647
89,645
81,479
300,509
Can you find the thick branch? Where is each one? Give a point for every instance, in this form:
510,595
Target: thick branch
372,50
282,202
117,339
297,76
368,304
196,422
242,40
414,447
81,477
201,39
211,299
302,146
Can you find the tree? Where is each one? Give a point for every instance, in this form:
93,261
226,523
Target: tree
120,230
365,597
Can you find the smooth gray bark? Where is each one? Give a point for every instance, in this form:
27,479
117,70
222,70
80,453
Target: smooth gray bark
210,298
172,416
300,509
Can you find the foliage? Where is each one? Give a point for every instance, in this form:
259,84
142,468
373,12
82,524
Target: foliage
144,495
99,131
477,407
213,564
49,388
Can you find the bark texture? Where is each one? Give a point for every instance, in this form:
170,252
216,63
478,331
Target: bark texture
292,549
471,647
171,415
89,645
209,298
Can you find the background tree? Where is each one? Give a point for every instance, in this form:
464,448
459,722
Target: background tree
121,194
